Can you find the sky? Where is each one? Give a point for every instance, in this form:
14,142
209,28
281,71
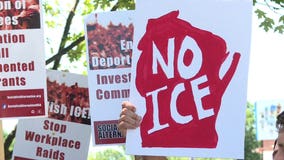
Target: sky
265,77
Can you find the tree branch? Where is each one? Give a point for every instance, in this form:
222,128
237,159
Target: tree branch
65,35
115,7
65,50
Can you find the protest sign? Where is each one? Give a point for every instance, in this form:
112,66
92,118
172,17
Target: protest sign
109,49
22,60
44,138
189,77
266,112
66,133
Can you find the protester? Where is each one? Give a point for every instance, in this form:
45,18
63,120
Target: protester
278,153
130,120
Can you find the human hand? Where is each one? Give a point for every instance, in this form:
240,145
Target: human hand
128,118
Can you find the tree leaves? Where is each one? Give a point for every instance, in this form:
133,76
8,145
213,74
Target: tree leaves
280,28
267,24
270,22
102,4
260,14
279,2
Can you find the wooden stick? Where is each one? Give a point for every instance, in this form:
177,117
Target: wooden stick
2,153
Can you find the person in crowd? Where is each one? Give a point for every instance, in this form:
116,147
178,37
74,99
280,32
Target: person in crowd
130,120
278,149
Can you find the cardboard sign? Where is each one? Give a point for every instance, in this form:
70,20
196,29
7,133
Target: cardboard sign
22,60
266,112
66,133
109,41
189,77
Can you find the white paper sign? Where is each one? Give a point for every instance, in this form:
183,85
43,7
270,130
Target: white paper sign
189,77
46,139
22,60
109,41
66,133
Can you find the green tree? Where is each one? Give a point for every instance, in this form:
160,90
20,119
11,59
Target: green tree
270,14
108,154
251,144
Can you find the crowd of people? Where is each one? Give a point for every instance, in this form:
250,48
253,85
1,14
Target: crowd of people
62,94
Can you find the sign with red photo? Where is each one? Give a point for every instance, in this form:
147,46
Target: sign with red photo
68,97
66,133
189,78
109,50
22,60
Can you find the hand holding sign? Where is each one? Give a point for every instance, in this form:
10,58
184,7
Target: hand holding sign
128,118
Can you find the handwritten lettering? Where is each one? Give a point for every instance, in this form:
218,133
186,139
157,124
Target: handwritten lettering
178,75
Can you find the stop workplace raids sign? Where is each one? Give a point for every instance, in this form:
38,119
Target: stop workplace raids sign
189,74
65,133
22,65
